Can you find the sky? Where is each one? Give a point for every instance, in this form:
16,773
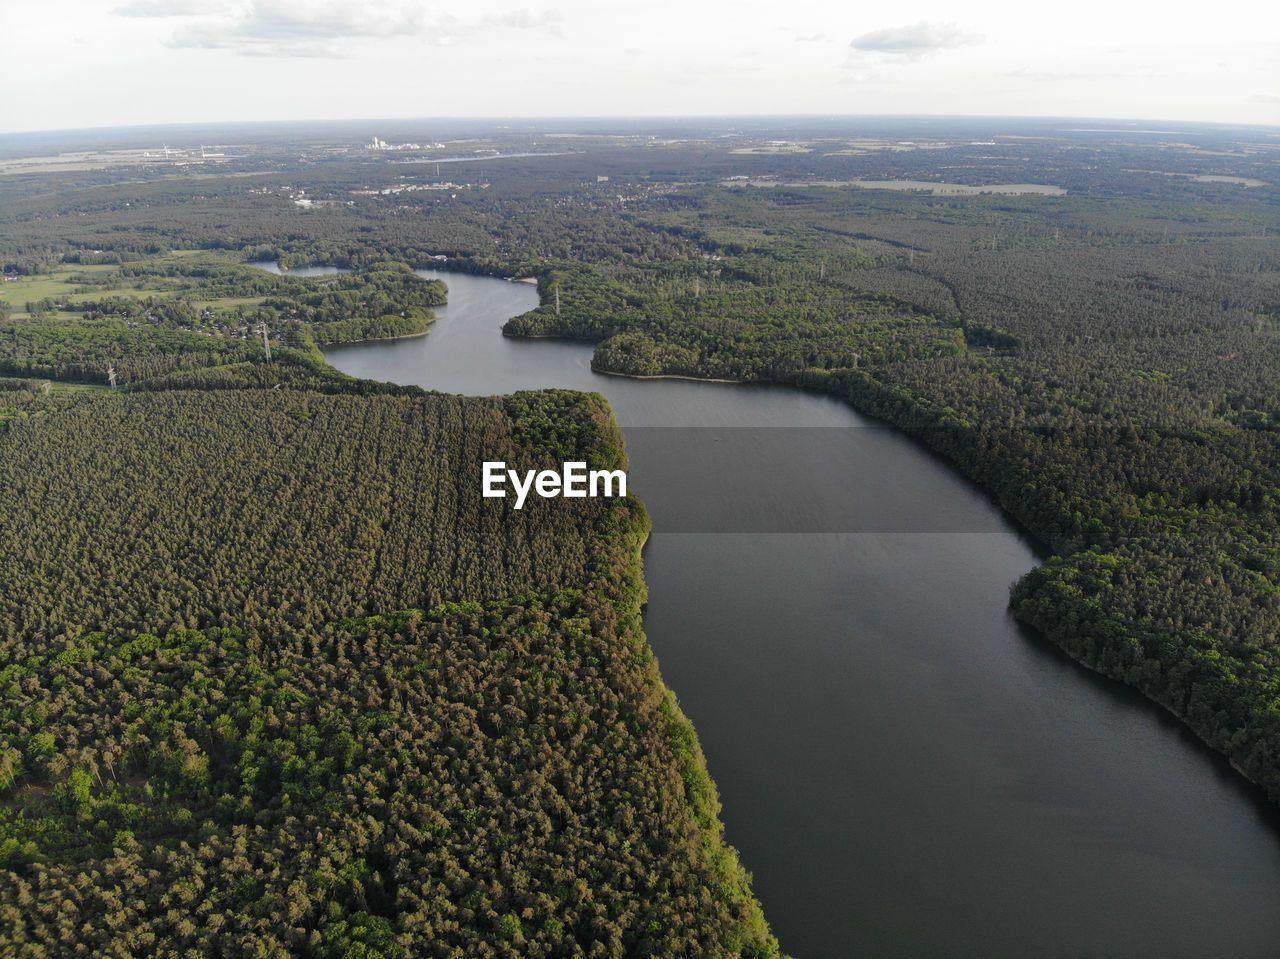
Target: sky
69,64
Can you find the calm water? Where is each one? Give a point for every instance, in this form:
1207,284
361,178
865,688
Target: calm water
272,266
905,772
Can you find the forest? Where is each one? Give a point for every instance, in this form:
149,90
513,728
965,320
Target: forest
168,313
223,733
1103,362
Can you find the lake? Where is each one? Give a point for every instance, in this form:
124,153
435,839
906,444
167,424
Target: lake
272,266
905,771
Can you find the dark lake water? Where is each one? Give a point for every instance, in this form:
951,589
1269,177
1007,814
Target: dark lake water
904,770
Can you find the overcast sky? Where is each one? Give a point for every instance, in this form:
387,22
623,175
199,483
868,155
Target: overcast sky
80,63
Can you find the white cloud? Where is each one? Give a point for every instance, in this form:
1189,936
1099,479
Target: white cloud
293,20
166,8
915,40
331,28
508,57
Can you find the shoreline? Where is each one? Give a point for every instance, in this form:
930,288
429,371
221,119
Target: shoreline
701,796
374,339
1183,719
667,376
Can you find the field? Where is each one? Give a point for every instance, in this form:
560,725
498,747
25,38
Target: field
66,285
18,291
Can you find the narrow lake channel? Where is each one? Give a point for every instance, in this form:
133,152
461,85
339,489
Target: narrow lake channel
904,770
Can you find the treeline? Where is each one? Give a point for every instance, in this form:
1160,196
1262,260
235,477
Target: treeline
414,322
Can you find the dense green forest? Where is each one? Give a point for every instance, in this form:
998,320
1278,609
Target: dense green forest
1104,361
273,512
219,735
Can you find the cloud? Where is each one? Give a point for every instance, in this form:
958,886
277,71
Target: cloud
916,40
1266,98
288,21
330,28
811,38
165,8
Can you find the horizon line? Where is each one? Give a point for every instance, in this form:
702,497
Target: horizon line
652,118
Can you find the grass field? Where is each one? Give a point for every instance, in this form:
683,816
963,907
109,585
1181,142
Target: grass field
56,387
17,292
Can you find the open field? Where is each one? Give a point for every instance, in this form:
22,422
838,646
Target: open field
20,290
80,161
59,387
63,284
